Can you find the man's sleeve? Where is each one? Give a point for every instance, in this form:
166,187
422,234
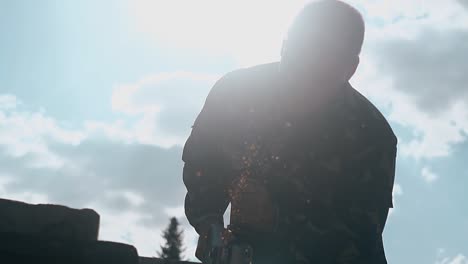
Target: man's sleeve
355,233
372,171
361,223
373,174
204,169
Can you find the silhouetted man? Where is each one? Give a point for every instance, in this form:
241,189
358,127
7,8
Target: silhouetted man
305,160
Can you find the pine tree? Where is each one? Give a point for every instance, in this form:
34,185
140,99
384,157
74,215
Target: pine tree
172,249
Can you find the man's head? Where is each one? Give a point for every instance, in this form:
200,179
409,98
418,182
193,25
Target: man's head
324,42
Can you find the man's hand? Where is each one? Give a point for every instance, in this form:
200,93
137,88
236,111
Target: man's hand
218,245
209,241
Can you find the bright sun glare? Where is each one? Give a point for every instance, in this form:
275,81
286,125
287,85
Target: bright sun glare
249,31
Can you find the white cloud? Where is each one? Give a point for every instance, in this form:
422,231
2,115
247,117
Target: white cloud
428,175
126,227
178,211
8,101
165,106
132,98
417,84
117,131
24,196
459,259
434,133
440,252
26,133
397,191
399,14
133,198
159,109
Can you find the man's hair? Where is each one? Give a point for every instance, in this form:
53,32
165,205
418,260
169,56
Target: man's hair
336,17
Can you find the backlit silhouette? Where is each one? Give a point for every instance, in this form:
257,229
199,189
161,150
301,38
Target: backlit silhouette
306,161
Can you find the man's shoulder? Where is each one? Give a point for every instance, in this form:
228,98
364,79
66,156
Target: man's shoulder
373,115
250,78
253,73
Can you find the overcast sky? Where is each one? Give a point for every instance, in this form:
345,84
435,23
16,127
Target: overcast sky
97,99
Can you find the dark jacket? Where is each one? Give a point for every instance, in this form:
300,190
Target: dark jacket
327,174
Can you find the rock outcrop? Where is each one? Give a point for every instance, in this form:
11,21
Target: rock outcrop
26,249
47,219
55,234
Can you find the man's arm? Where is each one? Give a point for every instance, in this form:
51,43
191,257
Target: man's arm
204,168
352,230
373,172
